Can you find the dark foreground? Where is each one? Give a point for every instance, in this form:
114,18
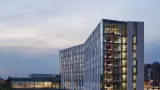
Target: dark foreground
37,89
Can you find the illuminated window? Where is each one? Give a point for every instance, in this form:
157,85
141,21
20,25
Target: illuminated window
124,63
105,86
124,78
134,40
57,85
124,86
124,48
134,85
134,62
105,72
124,40
124,55
107,30
134,78
134,70
115,32
134,54
54,85
134,47
47,84
124,70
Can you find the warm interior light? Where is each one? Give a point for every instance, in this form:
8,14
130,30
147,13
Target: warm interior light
124,77
124,40
134,70
134,77
124,70
124,48
123,55
134,47
134,62
134,54
134,40
124,62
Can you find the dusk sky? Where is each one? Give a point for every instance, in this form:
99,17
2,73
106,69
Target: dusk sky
33,31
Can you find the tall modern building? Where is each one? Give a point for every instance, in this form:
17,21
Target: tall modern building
113,58
152,76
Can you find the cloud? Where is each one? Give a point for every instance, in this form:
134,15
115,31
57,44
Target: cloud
43,33
56,24
3,72
33,31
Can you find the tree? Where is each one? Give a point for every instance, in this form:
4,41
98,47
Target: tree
5,86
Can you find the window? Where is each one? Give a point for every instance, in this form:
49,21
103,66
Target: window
134,70
134,55
124,79
124,30
134,62
124,86
124,55
135,29
134,40
134,78
124,70
124,40
124,63
134,48
124,48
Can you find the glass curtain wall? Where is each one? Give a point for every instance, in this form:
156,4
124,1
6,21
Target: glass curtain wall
71,67
34,84
93,60
115,58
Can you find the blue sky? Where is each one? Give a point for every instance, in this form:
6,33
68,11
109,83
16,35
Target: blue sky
32,31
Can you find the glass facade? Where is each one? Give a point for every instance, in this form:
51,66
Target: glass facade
108,51
93,60
115,55
53,83
71,68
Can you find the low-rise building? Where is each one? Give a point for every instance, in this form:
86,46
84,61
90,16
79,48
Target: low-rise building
37,81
